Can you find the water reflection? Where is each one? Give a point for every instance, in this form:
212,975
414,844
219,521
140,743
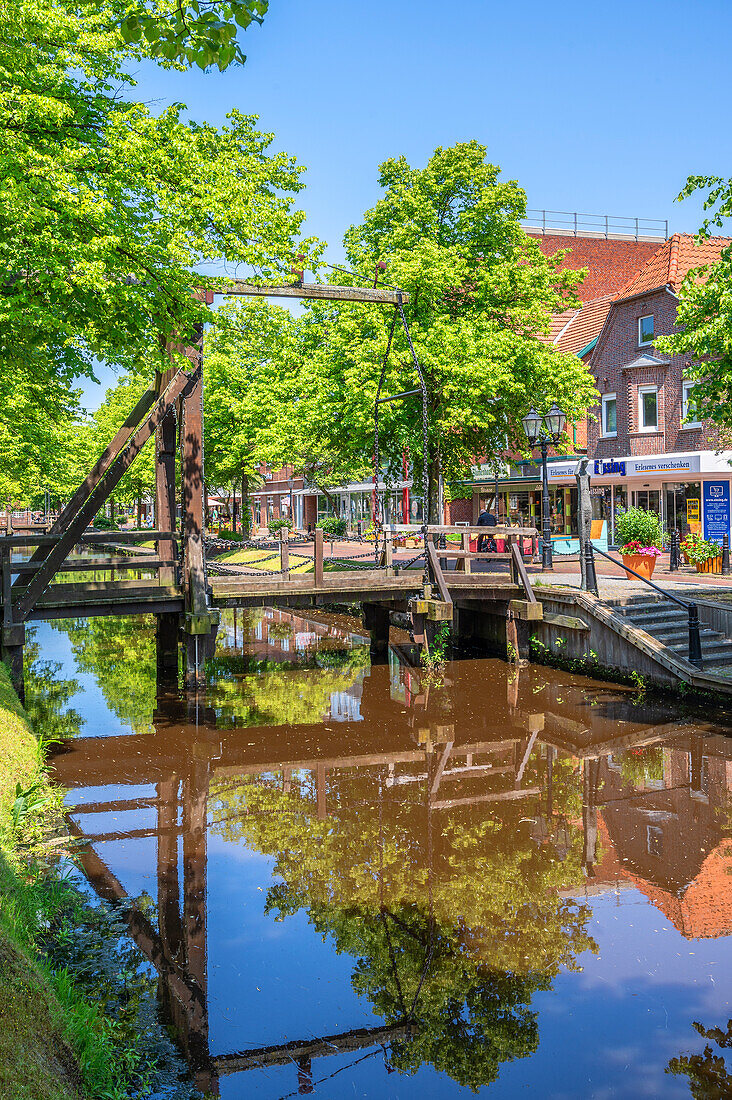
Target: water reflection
445,843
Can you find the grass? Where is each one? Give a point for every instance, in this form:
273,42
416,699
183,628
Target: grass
269,560
55,1041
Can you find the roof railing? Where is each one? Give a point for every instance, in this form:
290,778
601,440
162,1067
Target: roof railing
608,226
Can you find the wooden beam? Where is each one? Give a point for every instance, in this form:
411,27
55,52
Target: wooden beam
320,292
181,383
437,571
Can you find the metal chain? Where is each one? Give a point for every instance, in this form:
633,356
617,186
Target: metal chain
425,434
378,518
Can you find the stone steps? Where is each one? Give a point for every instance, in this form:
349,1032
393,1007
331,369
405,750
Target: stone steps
669,625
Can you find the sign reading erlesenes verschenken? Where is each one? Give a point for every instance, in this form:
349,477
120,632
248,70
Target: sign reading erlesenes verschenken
716,509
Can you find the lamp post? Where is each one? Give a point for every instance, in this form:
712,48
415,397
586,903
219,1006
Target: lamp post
540,432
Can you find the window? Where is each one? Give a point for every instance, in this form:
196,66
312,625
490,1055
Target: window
648,408
645,330
689,410
609,414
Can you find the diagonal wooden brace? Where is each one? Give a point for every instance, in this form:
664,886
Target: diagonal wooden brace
179,385
105,460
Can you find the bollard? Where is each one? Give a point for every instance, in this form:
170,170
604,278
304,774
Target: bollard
695,653
673,553
590,574
725,554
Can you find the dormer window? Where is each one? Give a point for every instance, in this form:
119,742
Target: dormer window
645,330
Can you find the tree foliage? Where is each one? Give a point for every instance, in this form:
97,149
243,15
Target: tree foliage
481,292
704,319
109,212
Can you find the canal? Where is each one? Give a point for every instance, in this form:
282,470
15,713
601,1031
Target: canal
352,881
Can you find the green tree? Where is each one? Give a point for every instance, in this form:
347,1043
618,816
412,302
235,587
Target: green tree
704,318
481,293
709,1078
109,213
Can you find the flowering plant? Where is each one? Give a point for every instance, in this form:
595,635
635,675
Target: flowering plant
637,548
699,550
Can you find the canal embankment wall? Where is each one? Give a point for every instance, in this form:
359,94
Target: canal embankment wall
579,627
59,956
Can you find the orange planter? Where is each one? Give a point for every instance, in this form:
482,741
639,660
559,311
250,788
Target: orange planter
711,565
641,563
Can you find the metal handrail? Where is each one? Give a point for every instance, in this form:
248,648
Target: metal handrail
695,651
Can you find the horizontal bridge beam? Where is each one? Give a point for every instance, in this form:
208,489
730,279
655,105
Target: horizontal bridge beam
321,292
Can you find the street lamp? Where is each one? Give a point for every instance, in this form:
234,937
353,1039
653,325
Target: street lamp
540,432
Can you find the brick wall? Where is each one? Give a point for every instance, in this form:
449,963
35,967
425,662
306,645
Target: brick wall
616,349
459,511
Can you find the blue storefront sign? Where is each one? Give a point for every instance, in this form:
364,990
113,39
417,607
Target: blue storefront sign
716,509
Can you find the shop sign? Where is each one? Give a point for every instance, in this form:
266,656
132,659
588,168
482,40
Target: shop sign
692,510
490,470
716,509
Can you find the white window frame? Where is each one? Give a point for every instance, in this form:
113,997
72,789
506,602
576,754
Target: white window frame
641,426
606,398
686,388
641,342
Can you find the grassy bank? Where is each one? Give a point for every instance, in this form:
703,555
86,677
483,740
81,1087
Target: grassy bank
56,1043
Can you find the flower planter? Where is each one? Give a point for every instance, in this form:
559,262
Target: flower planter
711,565
644,564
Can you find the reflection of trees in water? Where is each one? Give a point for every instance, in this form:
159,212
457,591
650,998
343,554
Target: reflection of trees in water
250,691
709,1078
47,696
120,654
641,766
455,923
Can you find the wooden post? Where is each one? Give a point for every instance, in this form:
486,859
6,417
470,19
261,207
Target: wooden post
285,553
201,621
321,792
165,456
464,563
318,558
376,621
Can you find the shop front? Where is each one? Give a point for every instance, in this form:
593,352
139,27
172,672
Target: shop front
689,492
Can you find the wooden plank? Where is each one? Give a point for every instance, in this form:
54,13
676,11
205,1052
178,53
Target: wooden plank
440,768
101,538
523,576
499,796
318,556
319,292
300,1050
438,574
446,529
81,565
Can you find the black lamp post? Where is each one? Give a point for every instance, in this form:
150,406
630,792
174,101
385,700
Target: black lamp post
540,432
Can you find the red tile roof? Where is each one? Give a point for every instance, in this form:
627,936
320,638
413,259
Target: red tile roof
584,326
611,263
671,262
703,910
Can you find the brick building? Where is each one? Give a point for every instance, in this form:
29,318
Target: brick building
648,447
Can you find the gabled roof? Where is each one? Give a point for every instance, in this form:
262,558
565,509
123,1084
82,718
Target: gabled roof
646,361
671,263
610,263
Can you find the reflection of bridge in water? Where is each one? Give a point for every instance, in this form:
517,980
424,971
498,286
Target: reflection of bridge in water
430,742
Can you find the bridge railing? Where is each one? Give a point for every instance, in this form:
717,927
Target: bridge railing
513,538
25,570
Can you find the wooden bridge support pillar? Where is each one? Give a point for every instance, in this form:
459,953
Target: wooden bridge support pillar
166,645
201,621
376,621
13,640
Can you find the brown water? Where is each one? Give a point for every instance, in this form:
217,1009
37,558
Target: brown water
355,883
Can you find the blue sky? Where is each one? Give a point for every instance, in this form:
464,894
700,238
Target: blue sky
596,108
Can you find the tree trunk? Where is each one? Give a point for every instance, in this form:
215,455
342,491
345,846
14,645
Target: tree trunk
434,489
246,513
233,508
139,510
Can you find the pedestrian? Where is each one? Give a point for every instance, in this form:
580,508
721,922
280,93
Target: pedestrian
486,543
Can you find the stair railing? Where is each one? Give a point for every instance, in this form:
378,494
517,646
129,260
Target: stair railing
695,650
